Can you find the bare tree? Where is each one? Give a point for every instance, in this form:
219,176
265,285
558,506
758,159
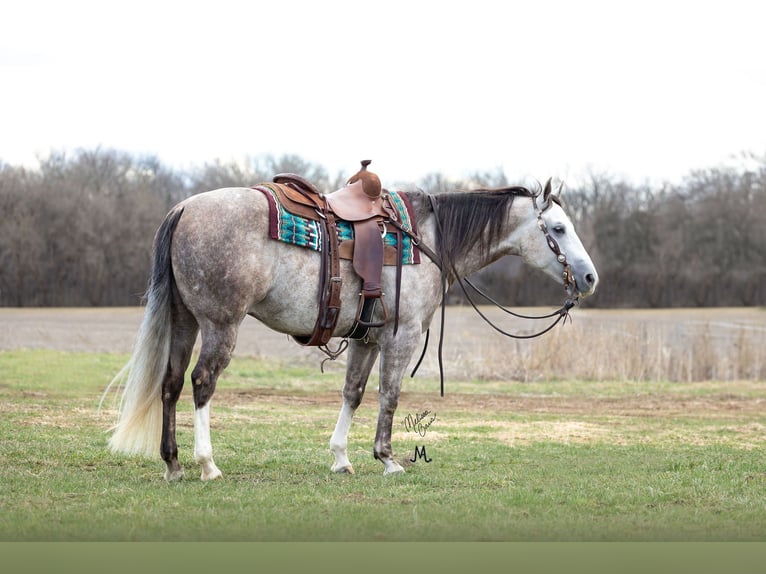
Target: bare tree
78,230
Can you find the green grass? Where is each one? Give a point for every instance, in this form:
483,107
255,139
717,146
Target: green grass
503,468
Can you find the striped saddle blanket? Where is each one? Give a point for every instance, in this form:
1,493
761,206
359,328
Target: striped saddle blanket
296,230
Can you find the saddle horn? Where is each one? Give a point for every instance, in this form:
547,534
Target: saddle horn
370,182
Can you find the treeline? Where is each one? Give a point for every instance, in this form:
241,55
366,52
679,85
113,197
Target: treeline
77,230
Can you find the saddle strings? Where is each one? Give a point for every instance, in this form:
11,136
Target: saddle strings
332,354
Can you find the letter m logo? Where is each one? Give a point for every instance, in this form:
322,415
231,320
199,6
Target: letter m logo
420,452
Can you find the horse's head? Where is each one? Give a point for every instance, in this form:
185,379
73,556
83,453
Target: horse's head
549,242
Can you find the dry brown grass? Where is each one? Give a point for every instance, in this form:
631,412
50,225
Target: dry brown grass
623,345
680,345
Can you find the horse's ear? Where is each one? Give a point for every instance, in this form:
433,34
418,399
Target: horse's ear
547,190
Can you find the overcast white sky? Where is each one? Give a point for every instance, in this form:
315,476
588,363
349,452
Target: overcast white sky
642,89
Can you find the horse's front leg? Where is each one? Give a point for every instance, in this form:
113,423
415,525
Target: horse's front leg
361,358
395,357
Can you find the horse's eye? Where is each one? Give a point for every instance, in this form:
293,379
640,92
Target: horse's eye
559,229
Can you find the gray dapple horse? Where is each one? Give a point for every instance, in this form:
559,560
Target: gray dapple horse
214,264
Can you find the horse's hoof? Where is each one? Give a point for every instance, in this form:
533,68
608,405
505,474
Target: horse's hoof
174,476
214,475
343,469
393,471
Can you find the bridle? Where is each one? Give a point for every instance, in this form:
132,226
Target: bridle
561,314
569,281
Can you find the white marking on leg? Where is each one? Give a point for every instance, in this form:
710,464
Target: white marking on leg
339,440
392,467
389,464
203,449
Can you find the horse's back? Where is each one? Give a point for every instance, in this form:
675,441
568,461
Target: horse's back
227,265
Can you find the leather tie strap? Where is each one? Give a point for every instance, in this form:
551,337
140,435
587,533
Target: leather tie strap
330,283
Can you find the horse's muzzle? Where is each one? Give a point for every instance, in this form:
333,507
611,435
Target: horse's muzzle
586,282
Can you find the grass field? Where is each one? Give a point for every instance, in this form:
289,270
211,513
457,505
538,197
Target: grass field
552,460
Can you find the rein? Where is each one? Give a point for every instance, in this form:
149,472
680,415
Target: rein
561,314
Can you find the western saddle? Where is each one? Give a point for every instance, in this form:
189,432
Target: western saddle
364,204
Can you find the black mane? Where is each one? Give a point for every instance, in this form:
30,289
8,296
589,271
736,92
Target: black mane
474,217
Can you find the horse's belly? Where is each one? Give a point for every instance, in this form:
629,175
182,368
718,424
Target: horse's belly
291,305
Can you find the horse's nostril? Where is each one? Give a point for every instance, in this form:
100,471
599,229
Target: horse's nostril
590,279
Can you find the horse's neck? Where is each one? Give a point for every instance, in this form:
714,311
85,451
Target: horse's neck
474,260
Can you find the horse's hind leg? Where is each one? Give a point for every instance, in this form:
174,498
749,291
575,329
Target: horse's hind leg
182,342
218,343
361,358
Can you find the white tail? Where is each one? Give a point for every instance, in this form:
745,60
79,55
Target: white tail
140,424
139,427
